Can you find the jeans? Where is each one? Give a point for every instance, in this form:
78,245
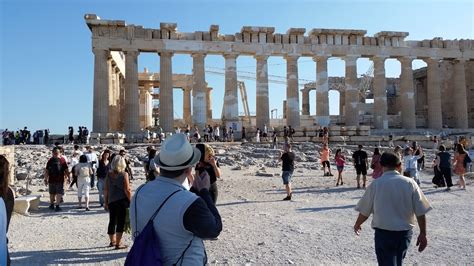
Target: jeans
391,246
100,187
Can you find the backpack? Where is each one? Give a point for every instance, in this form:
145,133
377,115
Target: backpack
146,249
55,168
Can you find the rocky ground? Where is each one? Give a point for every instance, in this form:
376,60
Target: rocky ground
259,228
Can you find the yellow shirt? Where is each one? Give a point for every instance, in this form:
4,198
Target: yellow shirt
394,200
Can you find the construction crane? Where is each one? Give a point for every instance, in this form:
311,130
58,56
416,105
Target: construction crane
245,103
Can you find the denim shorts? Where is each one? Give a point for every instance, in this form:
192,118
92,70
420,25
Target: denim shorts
340,168
286,176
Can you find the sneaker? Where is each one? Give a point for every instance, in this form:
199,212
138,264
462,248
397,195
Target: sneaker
448,189
287,198
57,209
51,206
87,209
358,186
330,174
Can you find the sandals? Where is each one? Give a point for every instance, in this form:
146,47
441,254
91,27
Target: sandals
111,244
121,246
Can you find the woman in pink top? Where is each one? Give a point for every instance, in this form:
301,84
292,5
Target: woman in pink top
459,167
375,165
325,153
340,161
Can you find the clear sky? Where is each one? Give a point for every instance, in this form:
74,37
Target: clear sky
47,63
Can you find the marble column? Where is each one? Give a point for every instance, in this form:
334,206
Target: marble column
115,114
322,90
352,92
208,105
199,91
460,95
305,105
380,93
342,103
231,106
146,105
435,113
166,92
132,107
292,93
263,108
187,105
407,94
100,121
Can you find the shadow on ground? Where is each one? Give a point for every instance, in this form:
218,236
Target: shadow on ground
97,255
320,209
317,190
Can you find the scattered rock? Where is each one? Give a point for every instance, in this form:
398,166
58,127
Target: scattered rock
21,176
261,244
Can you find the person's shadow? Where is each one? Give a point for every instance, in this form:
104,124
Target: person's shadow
96,255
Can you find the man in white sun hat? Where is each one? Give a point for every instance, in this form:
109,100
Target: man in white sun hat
185,218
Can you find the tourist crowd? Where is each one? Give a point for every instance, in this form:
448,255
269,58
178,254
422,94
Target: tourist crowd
178,200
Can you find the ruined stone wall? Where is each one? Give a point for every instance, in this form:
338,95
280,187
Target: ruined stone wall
470,92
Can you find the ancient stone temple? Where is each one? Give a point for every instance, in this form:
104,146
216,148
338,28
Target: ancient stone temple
444,97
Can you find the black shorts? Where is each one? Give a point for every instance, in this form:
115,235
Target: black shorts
56,188
361,169
326,163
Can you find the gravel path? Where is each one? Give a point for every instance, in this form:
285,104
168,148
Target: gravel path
259,228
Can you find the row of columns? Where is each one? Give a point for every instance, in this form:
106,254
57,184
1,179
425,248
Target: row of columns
350,99
201,101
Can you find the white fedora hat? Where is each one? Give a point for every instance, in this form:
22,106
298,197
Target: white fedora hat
176,153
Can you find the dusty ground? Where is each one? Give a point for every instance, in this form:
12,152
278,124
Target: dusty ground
259,228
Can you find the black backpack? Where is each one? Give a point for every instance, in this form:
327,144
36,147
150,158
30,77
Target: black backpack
55,168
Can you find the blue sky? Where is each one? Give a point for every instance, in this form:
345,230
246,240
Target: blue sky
47,64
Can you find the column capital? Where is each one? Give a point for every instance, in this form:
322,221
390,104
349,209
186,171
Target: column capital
230,55
459,60
99,51
432,60
198,55
293,57
131,52
351,57
406,59
319,58
378,58
261,57
165,53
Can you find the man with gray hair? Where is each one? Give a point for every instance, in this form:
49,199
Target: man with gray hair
395,201
185,218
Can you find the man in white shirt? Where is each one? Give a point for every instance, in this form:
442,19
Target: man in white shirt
395,201
94,161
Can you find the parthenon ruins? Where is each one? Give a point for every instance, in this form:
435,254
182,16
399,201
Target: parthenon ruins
123,96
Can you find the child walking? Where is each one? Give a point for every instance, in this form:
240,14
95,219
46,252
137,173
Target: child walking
325,153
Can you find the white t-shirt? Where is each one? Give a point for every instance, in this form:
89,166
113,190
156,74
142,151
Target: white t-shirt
92,157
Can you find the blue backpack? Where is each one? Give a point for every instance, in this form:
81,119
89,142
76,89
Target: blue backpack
146,246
